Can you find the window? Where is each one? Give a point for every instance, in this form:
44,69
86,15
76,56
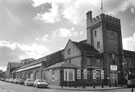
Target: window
89,61
98,74
95,33
98,44
69,75
112,35
130,61
69,51
98,63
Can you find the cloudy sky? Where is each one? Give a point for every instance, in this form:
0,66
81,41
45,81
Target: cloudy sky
35,28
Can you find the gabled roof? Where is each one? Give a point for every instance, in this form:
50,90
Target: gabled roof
14,64
86,47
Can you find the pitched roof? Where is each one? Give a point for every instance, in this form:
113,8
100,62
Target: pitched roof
14,64
51,57
86,48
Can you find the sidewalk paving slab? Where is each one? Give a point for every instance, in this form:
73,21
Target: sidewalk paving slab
97,88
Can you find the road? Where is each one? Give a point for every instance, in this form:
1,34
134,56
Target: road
10,87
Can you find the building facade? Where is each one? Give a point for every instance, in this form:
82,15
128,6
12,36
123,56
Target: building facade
98,59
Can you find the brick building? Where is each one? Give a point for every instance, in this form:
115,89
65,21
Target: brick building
99,58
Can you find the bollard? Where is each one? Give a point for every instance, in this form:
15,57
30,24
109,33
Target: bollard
83,84
115,83
132,90
75,84
93,83
69,83
109,83
102,84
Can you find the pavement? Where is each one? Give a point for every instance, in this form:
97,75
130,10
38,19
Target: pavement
97,88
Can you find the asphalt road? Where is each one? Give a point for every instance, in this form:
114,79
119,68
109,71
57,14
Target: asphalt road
11,87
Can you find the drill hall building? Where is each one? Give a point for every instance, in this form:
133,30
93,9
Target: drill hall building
98,59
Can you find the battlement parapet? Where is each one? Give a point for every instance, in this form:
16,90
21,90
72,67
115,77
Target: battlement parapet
103,17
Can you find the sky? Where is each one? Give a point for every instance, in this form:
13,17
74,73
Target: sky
36,28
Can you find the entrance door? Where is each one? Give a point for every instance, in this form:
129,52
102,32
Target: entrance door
114,78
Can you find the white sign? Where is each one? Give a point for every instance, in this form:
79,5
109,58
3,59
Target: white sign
94,74
113,67
102,74
85,74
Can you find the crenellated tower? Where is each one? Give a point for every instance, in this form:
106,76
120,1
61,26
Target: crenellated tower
104,34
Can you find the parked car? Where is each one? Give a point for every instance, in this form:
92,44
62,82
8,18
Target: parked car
28,82
40,83
6,80
15,80
21,81
11,80
131,83
2,79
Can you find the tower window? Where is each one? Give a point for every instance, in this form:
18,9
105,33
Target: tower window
98,44
112,36
95,33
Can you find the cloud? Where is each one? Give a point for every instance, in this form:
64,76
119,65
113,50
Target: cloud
75,11
33,51
129,43
50,17
14,52
63,32
60,33
127,4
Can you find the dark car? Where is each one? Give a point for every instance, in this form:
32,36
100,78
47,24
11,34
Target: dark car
40,83
131,83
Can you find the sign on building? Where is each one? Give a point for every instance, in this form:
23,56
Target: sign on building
113,67
85,74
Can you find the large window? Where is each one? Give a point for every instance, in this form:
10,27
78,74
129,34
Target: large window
89,61
69,75
98,74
